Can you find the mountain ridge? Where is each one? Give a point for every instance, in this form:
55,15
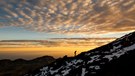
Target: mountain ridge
92,62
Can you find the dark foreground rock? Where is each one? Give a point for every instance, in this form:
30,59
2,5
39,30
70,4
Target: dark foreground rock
20,67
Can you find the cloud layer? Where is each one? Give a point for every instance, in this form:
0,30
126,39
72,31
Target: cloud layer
69,16
57,42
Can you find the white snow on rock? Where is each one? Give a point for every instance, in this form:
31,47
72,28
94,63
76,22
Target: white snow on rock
55,71
94,58
76,61
65,72
120,52
96,67
43,71
115,48
83,72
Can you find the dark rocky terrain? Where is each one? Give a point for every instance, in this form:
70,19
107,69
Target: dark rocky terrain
20,67
114,59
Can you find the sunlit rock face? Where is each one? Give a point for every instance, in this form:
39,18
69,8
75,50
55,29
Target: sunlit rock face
69,16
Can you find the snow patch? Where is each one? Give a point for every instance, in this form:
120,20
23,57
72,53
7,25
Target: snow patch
94,58
83,72
95,67
120,52
65,72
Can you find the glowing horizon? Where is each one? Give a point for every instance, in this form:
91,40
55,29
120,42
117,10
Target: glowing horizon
29,49
60,25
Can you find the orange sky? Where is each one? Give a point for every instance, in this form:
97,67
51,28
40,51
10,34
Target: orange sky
67,49
29,53
56,48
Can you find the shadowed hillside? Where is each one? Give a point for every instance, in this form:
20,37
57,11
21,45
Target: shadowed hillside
113,59
20,67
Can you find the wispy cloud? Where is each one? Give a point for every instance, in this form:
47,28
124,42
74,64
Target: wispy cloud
69,16
56,42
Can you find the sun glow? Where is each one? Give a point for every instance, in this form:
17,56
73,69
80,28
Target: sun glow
56,52
29,49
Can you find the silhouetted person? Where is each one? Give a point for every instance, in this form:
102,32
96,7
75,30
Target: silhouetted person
75,53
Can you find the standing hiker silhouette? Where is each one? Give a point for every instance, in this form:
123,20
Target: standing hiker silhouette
75,53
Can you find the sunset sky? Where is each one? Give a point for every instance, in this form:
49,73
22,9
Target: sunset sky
64,24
